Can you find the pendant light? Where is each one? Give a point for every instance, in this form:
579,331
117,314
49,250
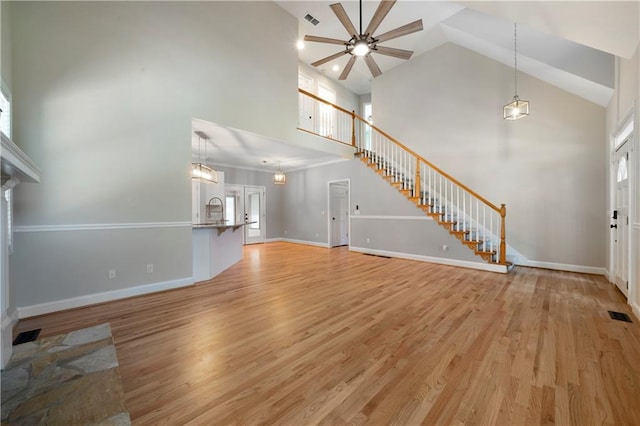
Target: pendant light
517,108
279,178
200,171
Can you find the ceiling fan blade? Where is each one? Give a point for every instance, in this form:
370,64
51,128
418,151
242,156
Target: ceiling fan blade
400,31
381,12
396,53
373,67
324,40
328,58
347,68
344,19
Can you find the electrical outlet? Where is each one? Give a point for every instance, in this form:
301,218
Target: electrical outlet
445,248
368,240
286,232
149,268
112,274
317,235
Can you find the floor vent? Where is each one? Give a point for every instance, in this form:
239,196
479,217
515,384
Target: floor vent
26,336
619,316
377,255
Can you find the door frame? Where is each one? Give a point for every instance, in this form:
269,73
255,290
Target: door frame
627,129
239,215
329,233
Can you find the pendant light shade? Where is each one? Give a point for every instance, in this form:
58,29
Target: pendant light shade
203,173
517,108
200,171
279,178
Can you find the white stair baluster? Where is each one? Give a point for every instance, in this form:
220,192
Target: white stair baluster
491,231
484,228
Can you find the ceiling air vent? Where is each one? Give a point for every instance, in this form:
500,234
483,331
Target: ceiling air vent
311,19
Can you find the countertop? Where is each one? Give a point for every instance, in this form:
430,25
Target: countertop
220,225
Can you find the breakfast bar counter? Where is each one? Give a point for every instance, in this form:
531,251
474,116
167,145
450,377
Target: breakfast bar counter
216,247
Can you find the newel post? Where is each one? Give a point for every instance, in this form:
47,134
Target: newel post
353,128
503,242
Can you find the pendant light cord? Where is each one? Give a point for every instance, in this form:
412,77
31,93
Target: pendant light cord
360,18
515,56
199,148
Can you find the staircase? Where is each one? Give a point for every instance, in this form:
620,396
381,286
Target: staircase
469,217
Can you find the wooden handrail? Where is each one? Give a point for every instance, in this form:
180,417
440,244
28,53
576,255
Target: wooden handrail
436,168
395,141
502,210
319,99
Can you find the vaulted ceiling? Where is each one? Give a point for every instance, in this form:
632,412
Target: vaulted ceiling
571,45
568,44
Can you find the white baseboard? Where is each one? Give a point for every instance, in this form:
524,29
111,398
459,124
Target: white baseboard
9,320
440,260
563,267
107,296
307,243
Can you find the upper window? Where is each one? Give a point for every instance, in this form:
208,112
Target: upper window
5,115
622,169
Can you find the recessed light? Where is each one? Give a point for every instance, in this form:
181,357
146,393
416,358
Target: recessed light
300,44
335,68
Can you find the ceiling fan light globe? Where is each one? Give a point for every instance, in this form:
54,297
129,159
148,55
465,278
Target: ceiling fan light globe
360,48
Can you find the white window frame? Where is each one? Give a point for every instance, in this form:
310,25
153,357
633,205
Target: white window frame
6,115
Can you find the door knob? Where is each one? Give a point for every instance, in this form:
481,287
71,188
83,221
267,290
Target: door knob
613,226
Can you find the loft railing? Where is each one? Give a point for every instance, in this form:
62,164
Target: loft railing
474,218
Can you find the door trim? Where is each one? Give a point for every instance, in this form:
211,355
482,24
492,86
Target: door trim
626,130
348,182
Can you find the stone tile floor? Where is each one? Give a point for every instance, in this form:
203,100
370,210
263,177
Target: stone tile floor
70,379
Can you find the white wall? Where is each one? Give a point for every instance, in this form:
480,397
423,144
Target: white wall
344,97
547,168
387,221
104,97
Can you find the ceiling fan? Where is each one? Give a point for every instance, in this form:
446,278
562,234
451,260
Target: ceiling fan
362,44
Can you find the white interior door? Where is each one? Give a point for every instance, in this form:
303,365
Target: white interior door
339,213
620,219
305,104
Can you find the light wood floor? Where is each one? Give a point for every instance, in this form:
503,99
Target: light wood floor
302,335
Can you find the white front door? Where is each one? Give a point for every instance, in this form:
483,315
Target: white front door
247,204
620,220
254,214
338,213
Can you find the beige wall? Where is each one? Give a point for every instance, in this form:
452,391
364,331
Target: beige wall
547,168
